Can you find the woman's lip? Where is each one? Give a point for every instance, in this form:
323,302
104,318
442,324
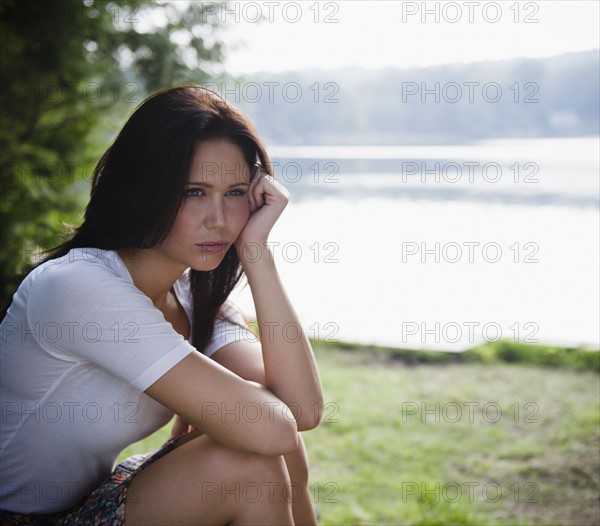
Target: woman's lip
213,246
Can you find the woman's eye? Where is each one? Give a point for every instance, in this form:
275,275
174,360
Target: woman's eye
198,192
193,192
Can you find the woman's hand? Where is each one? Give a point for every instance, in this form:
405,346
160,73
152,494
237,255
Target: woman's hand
267,199
181,428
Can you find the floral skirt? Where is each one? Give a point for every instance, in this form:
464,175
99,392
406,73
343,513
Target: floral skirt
106,504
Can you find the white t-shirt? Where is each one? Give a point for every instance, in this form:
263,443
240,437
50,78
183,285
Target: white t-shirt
79,345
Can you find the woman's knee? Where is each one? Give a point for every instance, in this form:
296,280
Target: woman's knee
243,478
202,478
236,465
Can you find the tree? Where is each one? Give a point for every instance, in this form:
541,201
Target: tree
67,67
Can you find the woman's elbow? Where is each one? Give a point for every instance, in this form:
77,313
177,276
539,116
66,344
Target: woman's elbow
310,418
281,441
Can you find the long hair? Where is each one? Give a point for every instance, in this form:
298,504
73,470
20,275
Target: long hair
137,186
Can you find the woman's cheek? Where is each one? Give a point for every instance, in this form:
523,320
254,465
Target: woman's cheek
240,215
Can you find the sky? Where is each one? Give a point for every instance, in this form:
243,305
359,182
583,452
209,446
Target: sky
377,34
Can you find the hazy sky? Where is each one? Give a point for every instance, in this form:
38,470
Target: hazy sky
375,34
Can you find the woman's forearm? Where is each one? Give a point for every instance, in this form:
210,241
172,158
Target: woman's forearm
290,368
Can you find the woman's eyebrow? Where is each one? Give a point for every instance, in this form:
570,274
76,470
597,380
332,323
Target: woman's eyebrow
210,185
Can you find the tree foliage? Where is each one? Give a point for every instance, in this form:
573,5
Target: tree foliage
457,103
70,69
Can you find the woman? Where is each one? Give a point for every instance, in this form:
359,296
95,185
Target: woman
97,344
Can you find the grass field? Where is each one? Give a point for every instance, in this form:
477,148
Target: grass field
442,444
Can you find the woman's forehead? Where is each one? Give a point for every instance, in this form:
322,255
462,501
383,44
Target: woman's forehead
219,162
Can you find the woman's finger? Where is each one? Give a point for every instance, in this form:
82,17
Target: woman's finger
180,427
257,190
251,189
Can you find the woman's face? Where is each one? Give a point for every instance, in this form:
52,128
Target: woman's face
215,207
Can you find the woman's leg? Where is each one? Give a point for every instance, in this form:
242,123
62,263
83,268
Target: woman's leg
202,482
302,506
297,465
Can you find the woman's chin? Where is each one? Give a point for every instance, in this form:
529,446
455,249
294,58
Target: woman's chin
207,264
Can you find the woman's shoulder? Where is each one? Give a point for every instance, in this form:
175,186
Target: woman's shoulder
79,263
82,279
82,273
231,312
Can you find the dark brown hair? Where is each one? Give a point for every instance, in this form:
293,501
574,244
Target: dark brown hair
137,186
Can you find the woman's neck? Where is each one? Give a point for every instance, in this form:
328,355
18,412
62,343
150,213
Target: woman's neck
151,273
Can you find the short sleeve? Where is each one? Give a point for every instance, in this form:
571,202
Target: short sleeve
230,327
83,310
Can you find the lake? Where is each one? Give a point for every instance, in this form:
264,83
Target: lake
442,246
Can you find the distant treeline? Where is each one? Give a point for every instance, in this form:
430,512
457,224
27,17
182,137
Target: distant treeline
503,351
549,97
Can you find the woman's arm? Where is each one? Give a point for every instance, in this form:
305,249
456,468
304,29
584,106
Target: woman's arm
213,399
290,370
232,411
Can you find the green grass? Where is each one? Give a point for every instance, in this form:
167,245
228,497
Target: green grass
393,448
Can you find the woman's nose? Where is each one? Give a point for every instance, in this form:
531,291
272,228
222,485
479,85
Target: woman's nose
216,216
